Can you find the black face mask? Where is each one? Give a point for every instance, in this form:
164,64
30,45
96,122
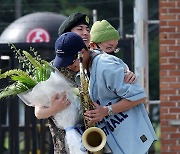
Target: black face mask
111,53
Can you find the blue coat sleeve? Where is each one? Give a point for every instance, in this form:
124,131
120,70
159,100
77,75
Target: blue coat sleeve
113,74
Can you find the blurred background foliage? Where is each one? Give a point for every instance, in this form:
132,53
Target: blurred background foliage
106,9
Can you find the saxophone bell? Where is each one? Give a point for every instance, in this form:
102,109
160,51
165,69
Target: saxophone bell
94,140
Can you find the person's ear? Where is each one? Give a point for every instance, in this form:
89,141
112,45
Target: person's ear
92,45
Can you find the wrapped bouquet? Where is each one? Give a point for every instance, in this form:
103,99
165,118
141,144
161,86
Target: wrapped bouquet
36,83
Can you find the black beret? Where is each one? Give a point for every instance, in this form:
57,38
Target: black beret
73,20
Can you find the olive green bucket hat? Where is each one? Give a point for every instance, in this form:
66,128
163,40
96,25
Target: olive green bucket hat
102,31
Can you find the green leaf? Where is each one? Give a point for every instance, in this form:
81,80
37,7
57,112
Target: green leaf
13,72
12,90
34,62
27,81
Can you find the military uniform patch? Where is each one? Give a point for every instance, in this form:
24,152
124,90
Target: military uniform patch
87,19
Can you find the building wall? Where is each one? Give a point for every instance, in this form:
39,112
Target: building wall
169,36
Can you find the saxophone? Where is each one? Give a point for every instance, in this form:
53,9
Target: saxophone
93,138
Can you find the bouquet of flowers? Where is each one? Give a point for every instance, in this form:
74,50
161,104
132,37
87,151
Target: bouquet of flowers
36,83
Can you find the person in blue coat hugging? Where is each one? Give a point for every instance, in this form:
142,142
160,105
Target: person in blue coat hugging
120,111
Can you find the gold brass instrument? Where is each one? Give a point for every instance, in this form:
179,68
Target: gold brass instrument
94,138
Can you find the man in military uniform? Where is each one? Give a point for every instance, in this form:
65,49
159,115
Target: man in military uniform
78,23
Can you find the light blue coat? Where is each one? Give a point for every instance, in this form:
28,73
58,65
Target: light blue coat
129,132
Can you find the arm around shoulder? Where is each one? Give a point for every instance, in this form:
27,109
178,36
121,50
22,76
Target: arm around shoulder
124,105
